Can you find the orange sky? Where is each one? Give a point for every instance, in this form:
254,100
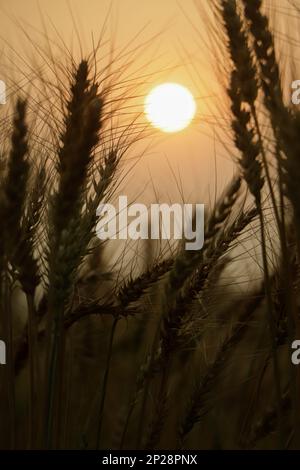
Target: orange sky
191,153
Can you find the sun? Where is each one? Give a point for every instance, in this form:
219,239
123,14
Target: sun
170,107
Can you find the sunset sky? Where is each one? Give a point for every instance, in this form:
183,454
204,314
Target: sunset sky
174,51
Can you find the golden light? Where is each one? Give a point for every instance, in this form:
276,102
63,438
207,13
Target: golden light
170,107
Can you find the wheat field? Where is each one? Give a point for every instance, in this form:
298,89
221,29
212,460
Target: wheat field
168,355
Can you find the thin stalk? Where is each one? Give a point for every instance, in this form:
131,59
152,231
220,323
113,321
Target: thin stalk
10,368
68,396
33,357
143,386
267,172
105,381
141,418
61,389
160,414
271,327
127,421
55,349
